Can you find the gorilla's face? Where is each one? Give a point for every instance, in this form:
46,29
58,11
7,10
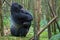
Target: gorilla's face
16,7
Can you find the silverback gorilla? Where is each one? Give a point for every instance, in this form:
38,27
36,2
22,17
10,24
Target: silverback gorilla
20,20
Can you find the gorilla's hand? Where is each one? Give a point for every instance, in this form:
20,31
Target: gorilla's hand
26,24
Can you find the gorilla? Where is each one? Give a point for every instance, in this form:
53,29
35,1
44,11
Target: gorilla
20,20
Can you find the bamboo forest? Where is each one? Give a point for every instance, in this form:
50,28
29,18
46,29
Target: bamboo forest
29,19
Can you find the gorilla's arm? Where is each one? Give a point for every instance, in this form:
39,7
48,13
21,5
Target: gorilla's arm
25,16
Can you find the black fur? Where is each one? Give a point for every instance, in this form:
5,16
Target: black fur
20,20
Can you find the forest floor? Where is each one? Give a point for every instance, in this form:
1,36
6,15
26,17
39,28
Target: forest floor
43,36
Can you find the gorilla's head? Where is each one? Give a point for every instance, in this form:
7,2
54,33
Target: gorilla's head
16,7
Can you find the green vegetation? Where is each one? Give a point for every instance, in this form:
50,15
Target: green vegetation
55,37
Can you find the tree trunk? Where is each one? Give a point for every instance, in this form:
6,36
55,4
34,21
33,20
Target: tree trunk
1,20
35,20
38,4
48,18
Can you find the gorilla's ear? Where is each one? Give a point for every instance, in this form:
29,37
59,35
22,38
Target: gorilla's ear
20,6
